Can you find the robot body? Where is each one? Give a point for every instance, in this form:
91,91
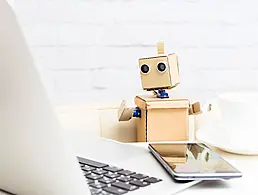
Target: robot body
160,117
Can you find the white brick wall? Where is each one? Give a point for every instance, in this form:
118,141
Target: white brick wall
88,49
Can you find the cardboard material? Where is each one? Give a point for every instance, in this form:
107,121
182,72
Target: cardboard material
160,48
155,79
162,119
124,113
195,108
165,119
124,131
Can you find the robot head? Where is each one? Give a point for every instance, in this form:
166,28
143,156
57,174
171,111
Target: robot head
159,72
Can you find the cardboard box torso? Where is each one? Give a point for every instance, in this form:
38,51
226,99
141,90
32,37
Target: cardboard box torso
162,119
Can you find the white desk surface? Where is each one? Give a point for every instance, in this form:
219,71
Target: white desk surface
248,184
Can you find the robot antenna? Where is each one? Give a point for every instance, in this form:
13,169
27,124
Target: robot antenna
160,48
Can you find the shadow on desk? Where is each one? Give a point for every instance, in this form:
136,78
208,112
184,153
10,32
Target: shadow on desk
212,184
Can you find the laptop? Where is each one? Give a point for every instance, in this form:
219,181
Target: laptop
38,158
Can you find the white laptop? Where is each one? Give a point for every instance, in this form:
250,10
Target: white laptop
35,155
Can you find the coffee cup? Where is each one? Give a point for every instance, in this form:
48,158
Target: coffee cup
232,121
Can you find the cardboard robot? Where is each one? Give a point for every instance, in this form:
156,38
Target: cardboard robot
159,117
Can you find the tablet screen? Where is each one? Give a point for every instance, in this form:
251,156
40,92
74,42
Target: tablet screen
192,158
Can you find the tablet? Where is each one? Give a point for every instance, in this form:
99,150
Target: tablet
193,161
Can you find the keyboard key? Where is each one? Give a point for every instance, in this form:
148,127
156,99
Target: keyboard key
125,179
125,186
87,168
139,183
99,172
152,180
139,176
93,176
86,173
112,169
95,190
91,163
126,172
112,175
104,193
115,190
89,181
106,180
98,185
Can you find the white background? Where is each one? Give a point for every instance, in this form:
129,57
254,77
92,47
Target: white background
88,50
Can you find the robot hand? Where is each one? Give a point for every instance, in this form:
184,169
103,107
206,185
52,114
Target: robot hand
126,113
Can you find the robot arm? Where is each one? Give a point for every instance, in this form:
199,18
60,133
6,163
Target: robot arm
195,108
126,113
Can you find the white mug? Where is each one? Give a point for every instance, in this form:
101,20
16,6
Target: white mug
232,121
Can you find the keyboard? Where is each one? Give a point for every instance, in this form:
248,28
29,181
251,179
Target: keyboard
104,179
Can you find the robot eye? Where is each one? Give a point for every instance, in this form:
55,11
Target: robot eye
161,67
145,69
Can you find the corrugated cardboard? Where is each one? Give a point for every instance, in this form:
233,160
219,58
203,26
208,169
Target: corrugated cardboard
174,69
157,80
162,119
124,113
160,48
195,108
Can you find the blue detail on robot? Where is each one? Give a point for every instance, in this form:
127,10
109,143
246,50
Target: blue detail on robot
162,94
137,112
